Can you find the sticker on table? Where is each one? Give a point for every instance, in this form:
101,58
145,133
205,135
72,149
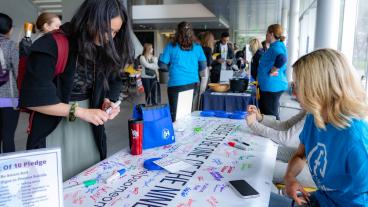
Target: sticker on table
172,164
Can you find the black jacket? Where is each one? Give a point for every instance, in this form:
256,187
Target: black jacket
230,51
230,55
255,62
208,53
41,88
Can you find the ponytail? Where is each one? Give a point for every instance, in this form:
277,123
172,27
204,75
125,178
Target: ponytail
282,38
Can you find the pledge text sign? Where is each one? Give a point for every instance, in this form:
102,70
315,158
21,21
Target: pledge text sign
31,178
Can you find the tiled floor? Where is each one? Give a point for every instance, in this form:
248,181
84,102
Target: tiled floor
117,130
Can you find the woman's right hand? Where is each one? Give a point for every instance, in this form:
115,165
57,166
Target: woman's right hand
292,187
94,116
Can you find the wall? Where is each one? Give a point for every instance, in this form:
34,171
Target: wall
69,8
20,11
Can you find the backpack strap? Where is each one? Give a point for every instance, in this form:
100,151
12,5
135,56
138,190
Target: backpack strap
63,51
62,44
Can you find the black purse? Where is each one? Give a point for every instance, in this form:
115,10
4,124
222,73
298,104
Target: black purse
149,71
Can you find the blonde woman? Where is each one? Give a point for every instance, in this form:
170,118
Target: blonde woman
257,51
149,74
334,141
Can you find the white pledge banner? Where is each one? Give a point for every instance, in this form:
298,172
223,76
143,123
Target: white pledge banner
31,178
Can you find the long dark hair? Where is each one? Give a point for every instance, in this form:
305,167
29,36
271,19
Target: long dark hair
93,21
184,36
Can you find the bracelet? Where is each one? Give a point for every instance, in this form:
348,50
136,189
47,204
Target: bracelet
72,116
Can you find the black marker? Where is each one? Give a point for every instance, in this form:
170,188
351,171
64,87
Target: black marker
246,144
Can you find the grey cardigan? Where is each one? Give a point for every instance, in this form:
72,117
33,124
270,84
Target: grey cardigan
285,133
11,56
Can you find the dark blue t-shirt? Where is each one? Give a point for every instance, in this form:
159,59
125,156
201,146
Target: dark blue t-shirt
338,162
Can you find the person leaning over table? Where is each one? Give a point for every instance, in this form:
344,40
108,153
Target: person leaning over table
70,108
334,140
185,58
272,79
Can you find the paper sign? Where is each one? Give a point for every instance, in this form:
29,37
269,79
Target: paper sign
226,75
185,101
32,178
172,165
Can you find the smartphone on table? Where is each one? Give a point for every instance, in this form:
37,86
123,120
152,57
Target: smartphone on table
243,189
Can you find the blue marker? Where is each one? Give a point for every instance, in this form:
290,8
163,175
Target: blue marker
116,175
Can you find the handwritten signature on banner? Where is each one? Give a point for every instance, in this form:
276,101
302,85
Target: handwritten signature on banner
198,147
188,203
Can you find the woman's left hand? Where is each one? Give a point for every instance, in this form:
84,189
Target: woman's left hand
251,118
115,110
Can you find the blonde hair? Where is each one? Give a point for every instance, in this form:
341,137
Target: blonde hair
254,45
327,84
208,40
146,48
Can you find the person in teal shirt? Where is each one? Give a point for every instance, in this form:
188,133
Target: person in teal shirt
184,59
334,140
272,72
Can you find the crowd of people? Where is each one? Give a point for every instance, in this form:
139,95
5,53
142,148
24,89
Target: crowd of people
67,94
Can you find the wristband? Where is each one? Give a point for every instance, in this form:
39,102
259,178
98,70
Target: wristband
72,116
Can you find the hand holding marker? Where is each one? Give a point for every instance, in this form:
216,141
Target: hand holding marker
114,105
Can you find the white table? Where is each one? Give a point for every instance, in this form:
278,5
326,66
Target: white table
205,184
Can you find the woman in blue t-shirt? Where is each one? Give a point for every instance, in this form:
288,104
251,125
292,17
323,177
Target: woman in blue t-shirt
272,72
334,140
184,59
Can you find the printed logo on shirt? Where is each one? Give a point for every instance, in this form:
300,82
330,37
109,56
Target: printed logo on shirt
317,159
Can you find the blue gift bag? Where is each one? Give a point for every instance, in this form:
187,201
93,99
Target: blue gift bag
158,129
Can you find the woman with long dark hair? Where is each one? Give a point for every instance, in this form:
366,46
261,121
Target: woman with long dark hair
70,109
186,59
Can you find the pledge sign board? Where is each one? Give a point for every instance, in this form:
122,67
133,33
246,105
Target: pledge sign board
31,178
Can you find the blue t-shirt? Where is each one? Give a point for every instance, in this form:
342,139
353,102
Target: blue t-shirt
338,162
266,81
184,67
